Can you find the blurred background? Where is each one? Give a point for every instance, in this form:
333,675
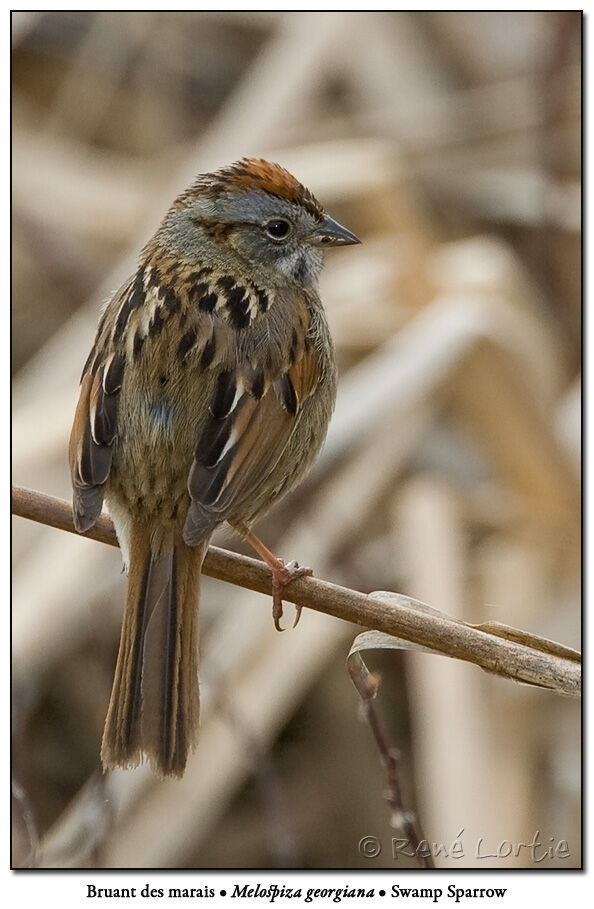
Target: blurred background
450,143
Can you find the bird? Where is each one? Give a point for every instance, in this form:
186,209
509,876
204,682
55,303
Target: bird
206,397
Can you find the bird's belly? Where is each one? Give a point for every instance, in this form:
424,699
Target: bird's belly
152,457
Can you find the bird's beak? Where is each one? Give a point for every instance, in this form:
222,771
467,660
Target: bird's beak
331,233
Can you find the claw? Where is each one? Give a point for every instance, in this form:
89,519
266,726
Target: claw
277,604
281,576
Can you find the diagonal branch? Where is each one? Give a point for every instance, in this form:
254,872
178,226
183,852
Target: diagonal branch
507,652
367,685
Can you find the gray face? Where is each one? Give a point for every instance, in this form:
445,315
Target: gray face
274,233
266,232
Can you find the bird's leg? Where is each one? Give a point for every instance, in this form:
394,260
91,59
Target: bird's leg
281,574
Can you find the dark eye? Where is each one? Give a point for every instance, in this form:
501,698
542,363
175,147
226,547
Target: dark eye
278,228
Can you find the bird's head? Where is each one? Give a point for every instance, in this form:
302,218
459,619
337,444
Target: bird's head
260,213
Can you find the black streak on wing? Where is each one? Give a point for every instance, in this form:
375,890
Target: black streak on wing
95,461
106,413
170,299
208,302
123,316
263,299
197,291
205,484
286,392
187,342
238,304
208,353
201,273
114,374
212,442
157,323
155,278
257,388
224,395
134,301
138,342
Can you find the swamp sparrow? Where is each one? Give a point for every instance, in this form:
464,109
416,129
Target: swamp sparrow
206,396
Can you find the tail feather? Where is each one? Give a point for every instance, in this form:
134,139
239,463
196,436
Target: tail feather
154,706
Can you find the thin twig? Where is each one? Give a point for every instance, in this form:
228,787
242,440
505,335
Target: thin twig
367,685
516,655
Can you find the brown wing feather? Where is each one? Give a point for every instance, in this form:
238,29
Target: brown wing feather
239,447
92,436
305,374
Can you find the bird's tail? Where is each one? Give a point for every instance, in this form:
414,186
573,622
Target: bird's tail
154,706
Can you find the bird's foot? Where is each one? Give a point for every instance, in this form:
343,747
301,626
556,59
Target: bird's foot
281,576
